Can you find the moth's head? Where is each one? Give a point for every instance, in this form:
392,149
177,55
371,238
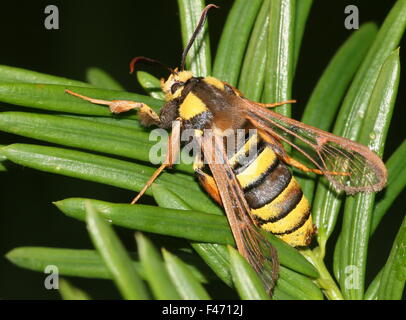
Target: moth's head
174,85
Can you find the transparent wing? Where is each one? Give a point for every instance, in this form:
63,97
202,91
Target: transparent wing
348,165
250,242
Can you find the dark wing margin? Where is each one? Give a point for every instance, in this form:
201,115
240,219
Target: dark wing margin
361,169
252,245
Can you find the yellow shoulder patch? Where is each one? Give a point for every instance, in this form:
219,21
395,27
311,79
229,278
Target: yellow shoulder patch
214,82
191,106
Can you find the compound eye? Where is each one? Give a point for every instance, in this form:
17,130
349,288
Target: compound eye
176,86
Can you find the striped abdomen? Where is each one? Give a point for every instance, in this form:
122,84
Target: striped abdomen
276,200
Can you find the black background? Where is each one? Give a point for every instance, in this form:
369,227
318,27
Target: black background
107,34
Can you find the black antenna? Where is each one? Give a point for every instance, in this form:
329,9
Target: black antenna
135,60
195,33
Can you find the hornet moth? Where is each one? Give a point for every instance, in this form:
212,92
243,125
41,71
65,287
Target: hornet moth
253,184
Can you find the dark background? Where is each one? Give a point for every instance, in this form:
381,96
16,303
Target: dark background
107,34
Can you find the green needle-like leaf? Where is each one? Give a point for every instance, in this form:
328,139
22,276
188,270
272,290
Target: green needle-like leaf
186,284
252,78
12,74
278,294
361,89
336,259
165,198
70,292
54,98
3,158
328,93
355,105
301,14
78,133
132,124
155,271
358,209
325,281
95,135
188,224
214,255
281,45
298,285
393,277
199,57
105,170
101,79
84,263
232,44
396,166
246,280
372,292
114,256
217,257
291,258
151,85
70,262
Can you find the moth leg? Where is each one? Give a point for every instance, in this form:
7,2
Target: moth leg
207,181
297,164
173,150
147,115
282,154
275,104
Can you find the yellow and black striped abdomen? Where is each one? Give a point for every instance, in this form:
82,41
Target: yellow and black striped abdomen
276,200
